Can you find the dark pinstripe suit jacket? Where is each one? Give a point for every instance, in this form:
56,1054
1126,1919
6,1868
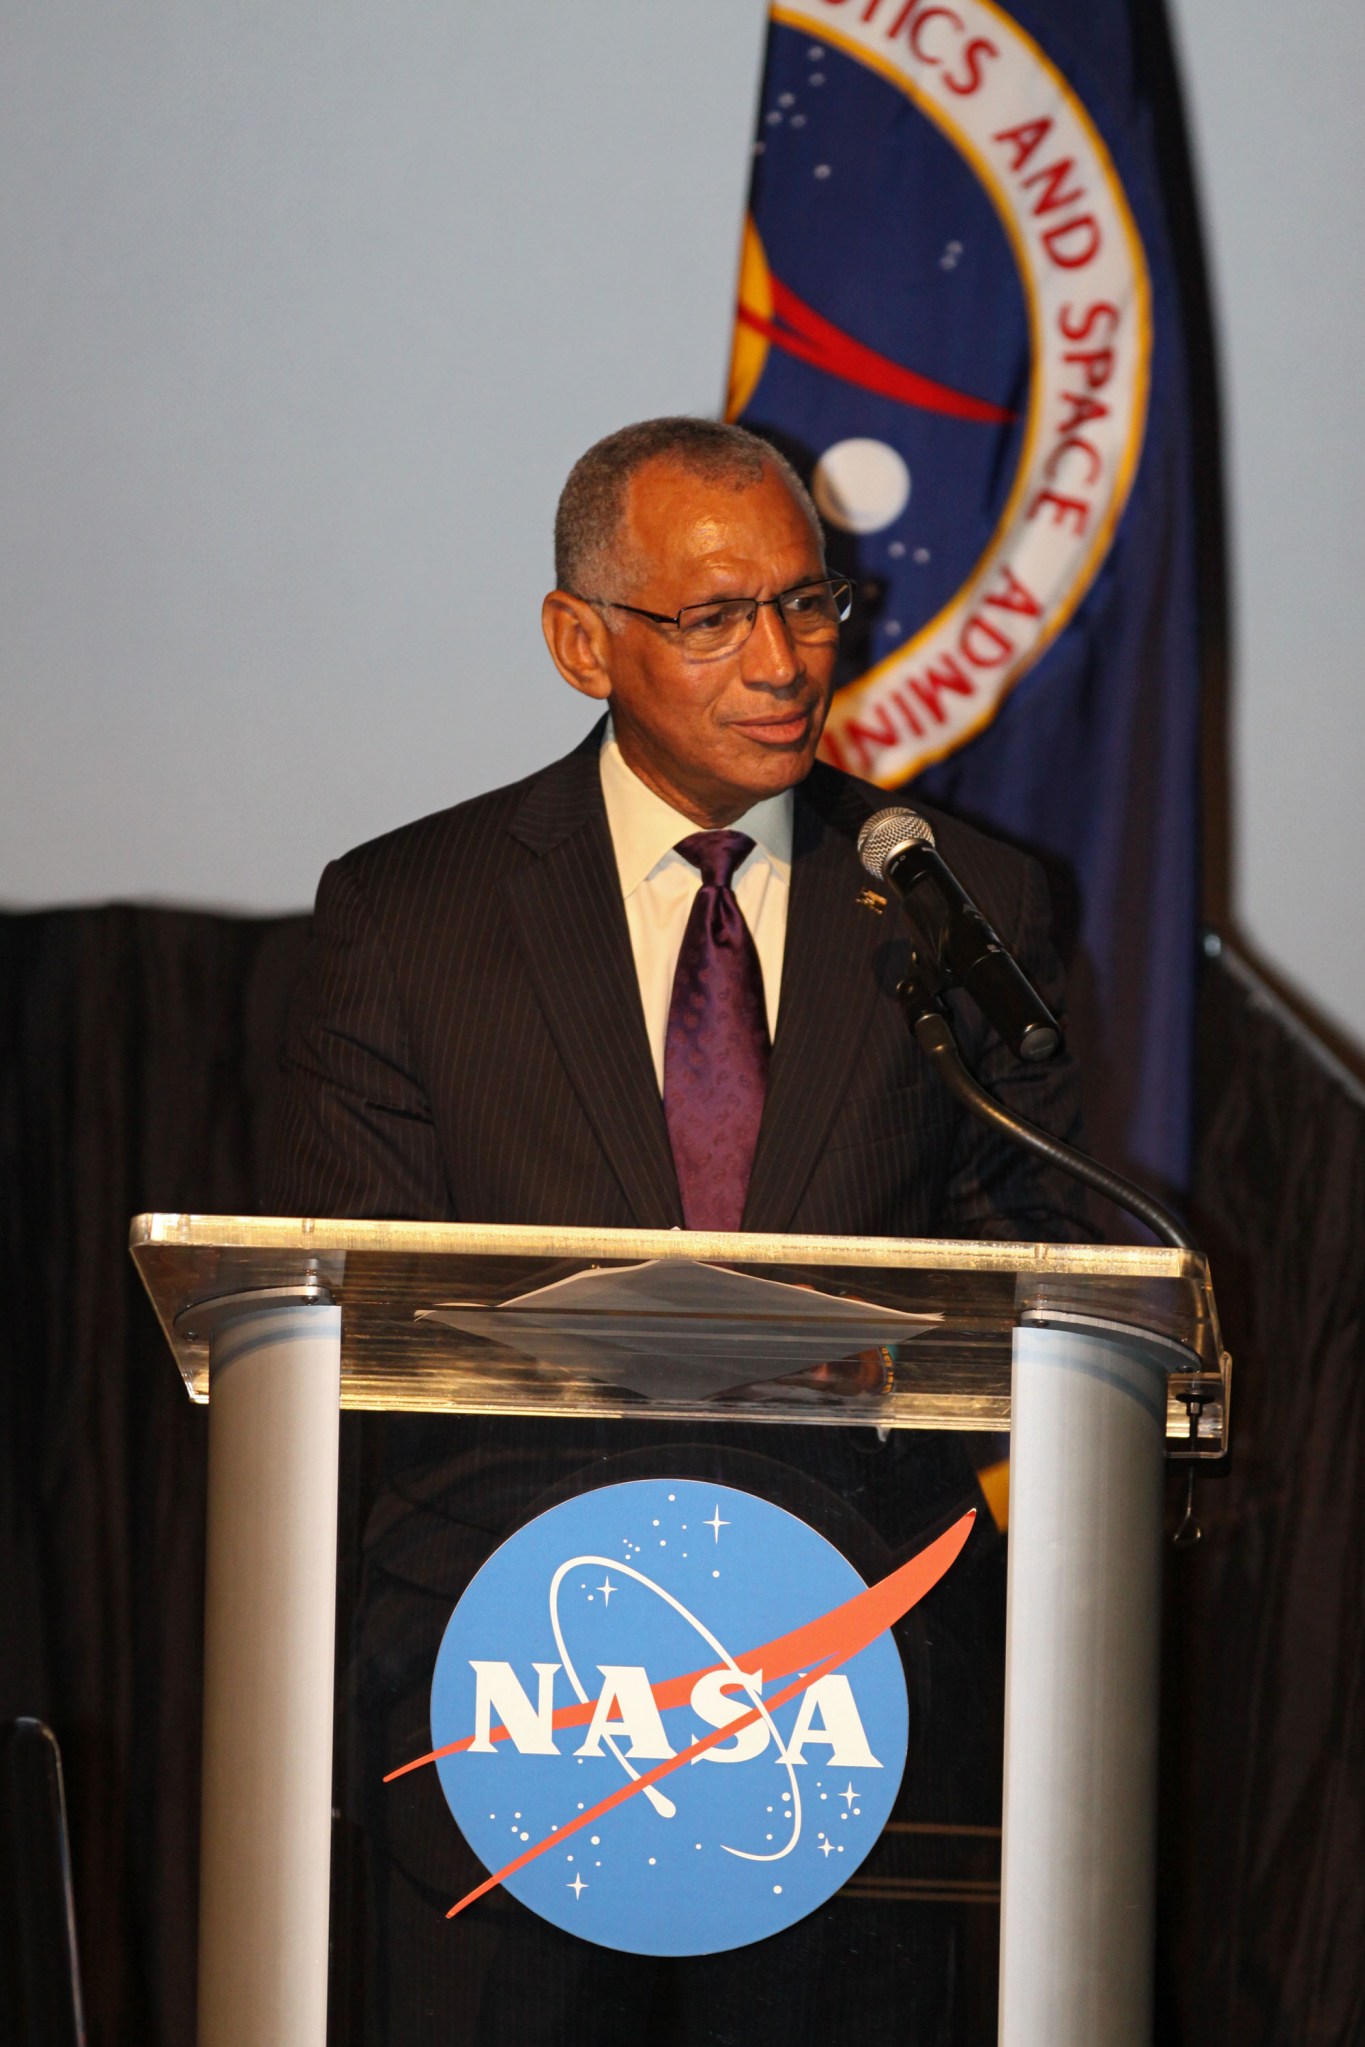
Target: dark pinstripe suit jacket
467,1040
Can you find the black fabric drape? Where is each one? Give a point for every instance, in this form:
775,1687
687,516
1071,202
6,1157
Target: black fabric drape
1264,1735
136,1071
136,1060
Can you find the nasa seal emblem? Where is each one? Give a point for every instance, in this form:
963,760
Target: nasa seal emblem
669,1717
985,540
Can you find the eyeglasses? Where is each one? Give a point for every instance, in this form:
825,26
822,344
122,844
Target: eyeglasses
811,612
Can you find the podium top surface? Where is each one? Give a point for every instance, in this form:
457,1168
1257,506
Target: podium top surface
898,1332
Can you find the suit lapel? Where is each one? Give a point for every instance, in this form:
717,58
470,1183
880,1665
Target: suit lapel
571,925
829,990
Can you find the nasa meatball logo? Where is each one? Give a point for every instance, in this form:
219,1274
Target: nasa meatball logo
933,209
670,1718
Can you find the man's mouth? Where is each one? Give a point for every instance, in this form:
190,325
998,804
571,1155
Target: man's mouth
786,729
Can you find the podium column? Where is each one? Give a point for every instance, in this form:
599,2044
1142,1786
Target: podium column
1082,1653
269,1625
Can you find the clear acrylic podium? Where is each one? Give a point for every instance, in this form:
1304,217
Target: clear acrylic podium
1098,1360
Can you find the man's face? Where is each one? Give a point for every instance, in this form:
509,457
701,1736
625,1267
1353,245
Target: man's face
714,736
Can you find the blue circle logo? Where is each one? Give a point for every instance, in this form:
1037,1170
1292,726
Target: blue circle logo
668,1717
974,419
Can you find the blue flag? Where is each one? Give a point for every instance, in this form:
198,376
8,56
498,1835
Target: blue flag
958,315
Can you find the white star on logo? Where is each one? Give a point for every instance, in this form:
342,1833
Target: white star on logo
606,1588
850,1796
826,1847
577,1886
715,1522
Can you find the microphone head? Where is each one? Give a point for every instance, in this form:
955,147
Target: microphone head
887,833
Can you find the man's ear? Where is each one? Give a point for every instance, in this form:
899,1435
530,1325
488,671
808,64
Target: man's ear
579,641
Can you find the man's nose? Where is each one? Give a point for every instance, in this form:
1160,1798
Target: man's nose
770,654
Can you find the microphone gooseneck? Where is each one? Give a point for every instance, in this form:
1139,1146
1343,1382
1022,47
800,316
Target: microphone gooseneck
897,846
956,945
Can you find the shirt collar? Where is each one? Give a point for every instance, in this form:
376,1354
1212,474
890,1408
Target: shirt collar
645,829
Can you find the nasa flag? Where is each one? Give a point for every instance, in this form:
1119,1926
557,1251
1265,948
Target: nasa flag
958,315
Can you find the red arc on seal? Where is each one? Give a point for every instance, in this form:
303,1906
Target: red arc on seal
812,1650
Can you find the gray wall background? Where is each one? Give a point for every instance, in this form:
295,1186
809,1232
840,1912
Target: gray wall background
307,311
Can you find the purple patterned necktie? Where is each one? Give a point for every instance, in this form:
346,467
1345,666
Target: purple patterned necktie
716,1048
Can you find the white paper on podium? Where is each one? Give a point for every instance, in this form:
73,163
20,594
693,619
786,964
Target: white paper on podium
677,1328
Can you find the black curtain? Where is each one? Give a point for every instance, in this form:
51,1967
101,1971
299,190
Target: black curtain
136,1069
136,1061
1263,1741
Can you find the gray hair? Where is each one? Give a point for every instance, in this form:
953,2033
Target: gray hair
593,501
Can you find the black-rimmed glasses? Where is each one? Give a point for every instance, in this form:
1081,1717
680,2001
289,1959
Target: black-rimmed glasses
811,611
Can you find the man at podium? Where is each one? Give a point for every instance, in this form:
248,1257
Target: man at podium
652,986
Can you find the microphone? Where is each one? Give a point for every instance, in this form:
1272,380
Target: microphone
897,847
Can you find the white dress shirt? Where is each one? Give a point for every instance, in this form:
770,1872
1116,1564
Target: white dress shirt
658,886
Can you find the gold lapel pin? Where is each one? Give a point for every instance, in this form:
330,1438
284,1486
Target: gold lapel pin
868,899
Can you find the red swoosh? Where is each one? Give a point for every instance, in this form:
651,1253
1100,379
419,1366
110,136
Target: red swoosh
813,339
845,1629
832,1638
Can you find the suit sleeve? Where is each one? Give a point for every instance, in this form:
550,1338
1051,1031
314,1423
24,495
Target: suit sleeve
354,1133
995,1189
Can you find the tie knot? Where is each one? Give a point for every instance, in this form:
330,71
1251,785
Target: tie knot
717,854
